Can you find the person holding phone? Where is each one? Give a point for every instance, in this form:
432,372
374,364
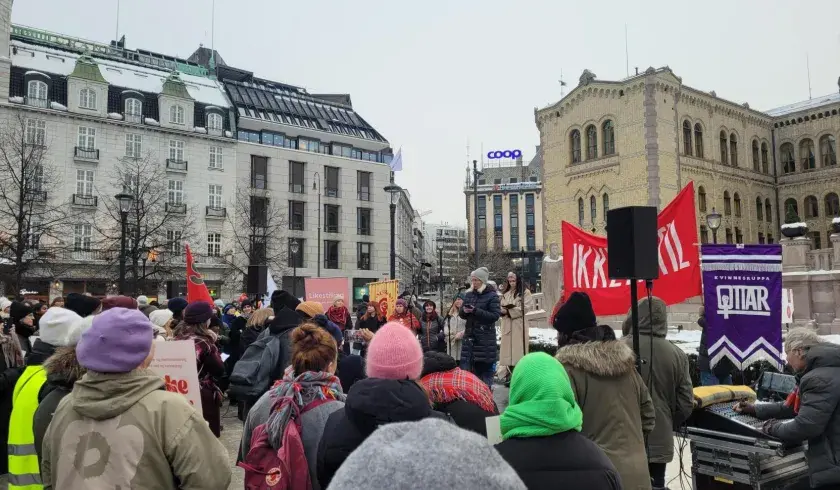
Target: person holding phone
481,310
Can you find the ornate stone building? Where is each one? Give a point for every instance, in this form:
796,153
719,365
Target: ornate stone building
638,141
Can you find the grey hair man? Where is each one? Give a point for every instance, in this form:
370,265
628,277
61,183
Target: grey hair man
812,412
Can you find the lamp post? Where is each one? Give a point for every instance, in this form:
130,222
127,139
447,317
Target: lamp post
294,247
124,200
144,256
316,186
476,175
713,221
440,273
395,191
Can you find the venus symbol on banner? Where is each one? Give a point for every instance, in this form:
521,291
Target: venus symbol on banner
787,305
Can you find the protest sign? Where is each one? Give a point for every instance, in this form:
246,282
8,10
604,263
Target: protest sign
325,289
384,294
174,361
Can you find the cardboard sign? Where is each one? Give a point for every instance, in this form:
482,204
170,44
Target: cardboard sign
787,305
175,362
325,289
494,429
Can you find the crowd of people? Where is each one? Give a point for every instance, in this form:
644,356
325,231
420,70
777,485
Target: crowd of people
346,398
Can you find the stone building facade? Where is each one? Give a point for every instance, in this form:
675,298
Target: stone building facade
638,141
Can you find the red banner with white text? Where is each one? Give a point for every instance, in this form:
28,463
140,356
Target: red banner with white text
585,261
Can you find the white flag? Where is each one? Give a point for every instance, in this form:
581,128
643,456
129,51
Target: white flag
396,162
271,286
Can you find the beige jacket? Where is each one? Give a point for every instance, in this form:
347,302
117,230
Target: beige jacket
514,341
126,431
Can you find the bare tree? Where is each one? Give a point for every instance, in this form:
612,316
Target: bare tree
258,227
31,224
159,221
499,263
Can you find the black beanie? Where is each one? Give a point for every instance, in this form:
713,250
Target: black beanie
575,314
18,311
282,299
81,304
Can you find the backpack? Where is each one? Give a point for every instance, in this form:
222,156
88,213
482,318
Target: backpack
281,469
253,373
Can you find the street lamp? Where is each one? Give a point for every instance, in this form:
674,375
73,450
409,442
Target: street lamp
440,273
124,200
395,191
144,256
294,247
316,186
713,221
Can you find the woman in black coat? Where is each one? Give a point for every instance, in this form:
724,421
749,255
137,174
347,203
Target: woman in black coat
481,310
432,336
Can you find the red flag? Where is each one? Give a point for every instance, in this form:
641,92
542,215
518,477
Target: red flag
196,289
585,261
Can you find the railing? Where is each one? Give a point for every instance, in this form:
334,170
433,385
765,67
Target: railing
331,192
216,212
133,118
36,196
296,188
176,165
84,200
37,102
176,208
86,153
80,254
215,131
820,260
330,264
331,228
364,230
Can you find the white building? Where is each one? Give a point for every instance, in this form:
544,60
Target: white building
455,254
406,261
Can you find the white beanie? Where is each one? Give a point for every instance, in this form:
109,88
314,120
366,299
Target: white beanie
142,301
4,303
60,327
160,317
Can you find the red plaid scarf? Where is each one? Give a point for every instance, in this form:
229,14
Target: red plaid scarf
457,384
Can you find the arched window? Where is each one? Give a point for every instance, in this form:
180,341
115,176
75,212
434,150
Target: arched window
733,150
698,140
812,209
591,142
575,144
737,205
606,205
687,148
176,114
701,199
832,205
788,160
133,107
828,150
768,211
593,209
791,206
727,204
806,154
87,98
37,90
609,138
756,163
724,158
765,164
580,211
759,209
214,121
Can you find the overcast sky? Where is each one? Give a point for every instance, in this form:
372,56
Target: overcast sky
433,75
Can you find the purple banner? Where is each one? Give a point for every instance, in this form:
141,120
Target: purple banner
742,294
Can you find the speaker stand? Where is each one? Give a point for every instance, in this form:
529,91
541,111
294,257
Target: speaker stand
634,319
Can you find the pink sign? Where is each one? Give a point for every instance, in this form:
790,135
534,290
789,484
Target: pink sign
324,290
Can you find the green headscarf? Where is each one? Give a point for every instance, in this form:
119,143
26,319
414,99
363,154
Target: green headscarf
542,402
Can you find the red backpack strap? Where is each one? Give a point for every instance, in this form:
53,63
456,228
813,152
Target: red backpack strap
315,403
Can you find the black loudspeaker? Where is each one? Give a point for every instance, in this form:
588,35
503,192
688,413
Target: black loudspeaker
632,243
257,279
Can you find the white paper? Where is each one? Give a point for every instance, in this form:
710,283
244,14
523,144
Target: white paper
494,429
174,361
224,357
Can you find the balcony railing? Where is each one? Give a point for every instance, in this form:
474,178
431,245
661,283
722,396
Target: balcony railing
364,230
176,165
85,200
331,192
37,102
331,228
91,154
216,212
330,263
364,263
176,208
215,131
133,118
36,196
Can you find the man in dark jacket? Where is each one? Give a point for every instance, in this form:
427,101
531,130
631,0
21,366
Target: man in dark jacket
812,412
722,373
665,372
481,310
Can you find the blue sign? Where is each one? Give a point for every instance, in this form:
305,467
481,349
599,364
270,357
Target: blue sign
495,155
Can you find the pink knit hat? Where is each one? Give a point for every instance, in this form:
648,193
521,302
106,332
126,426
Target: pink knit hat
394,353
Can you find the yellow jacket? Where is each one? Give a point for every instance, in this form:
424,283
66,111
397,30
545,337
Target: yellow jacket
24,470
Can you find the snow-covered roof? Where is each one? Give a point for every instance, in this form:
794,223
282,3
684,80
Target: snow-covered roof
804,105
43,59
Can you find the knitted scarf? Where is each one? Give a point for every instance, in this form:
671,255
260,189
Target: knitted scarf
457,384
301,390
338,316
11,348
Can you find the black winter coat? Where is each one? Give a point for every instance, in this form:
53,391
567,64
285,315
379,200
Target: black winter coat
8,379
373,323
432,334
818,420
63,370
371,402
564,460
479,345
723,368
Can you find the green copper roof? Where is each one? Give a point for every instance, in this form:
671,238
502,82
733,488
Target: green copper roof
87,69
174,86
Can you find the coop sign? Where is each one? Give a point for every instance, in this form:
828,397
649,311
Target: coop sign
499,154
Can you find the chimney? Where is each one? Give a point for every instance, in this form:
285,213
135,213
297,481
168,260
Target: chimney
637,70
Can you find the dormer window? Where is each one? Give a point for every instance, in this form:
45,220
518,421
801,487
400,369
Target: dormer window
87,99
214,122
176,114
133,107
36,93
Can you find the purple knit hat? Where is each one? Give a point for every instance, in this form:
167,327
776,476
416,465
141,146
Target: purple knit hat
118,341
401,302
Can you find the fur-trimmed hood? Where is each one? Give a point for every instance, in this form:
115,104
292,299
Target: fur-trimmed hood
611,358
63,368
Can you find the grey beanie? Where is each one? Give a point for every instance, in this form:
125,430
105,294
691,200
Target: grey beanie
482,274
409,455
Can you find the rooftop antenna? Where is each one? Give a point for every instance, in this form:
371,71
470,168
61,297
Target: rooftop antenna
808,67
117,36
213,38
626,53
